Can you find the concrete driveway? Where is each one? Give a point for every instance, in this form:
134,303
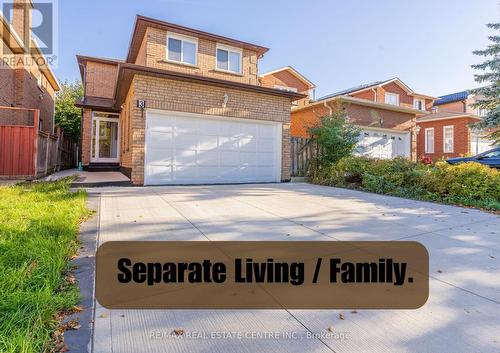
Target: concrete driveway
461,315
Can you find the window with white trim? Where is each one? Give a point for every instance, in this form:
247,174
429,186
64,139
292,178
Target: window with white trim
448,139
228,59
182,49
419,104
391,98
429,140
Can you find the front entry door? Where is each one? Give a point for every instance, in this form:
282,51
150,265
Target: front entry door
105,139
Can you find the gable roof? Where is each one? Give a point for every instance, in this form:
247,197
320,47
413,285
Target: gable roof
293,72
142,23
370,85
453,97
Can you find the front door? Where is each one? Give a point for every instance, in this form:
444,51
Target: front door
105,138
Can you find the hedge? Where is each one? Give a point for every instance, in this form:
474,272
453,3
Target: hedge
467,184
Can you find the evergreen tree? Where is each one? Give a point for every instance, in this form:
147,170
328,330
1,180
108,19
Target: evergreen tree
489,94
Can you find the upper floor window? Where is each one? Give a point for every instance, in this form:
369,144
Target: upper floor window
228,59
419,104
182,49
448,139
391,98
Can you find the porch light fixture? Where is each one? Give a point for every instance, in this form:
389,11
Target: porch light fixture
224,102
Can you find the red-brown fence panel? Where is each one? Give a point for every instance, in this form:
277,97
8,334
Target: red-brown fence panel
16,151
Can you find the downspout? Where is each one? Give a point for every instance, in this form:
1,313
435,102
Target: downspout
325,104
374,94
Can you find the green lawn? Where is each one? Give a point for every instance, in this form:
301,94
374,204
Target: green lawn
38,235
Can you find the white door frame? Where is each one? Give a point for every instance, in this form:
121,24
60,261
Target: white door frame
96,120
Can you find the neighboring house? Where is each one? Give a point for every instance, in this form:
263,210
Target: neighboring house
289,79
385,110
28,145
184,107
446,132
21,85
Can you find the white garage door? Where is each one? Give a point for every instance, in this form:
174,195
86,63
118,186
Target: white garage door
196,149
383,144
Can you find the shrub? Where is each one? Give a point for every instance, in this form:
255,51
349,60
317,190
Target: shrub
470,184
336,137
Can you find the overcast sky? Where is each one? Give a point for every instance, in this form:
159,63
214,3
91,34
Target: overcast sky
335,44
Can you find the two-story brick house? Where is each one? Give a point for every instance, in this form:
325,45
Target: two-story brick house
185,107
446,132
26,81
385,110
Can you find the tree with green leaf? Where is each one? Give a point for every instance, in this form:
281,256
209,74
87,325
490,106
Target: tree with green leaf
68,116
336,137
489,95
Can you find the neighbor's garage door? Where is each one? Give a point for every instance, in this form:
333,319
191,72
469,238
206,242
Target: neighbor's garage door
383,144
195,149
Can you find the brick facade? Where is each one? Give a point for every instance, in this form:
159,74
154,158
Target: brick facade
461,138
173,95
285,78
153,53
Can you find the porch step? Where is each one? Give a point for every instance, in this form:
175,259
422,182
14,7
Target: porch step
104,167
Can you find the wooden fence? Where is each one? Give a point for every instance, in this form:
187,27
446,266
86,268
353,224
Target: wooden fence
26,152
301,152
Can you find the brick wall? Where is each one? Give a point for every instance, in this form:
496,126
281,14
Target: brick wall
458,107
286,79
86,135
100,79
202,99
461,138
153,54
304,119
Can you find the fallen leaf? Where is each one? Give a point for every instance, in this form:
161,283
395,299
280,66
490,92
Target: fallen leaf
103,315
341,317
178,332
122,315
439,271
330,329
492,256
354,312
72,325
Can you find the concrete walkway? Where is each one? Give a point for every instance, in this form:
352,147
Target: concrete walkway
86,178
461,315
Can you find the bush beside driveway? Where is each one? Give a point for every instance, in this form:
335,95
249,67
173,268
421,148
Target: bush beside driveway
467,184
38,227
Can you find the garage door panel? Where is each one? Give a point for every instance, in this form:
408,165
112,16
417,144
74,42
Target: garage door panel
194,150
248,144
160,173
228,143
185,157
265,159
186,141
207,142
161,140
248,158
228,158
208,158
160,156
266,145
